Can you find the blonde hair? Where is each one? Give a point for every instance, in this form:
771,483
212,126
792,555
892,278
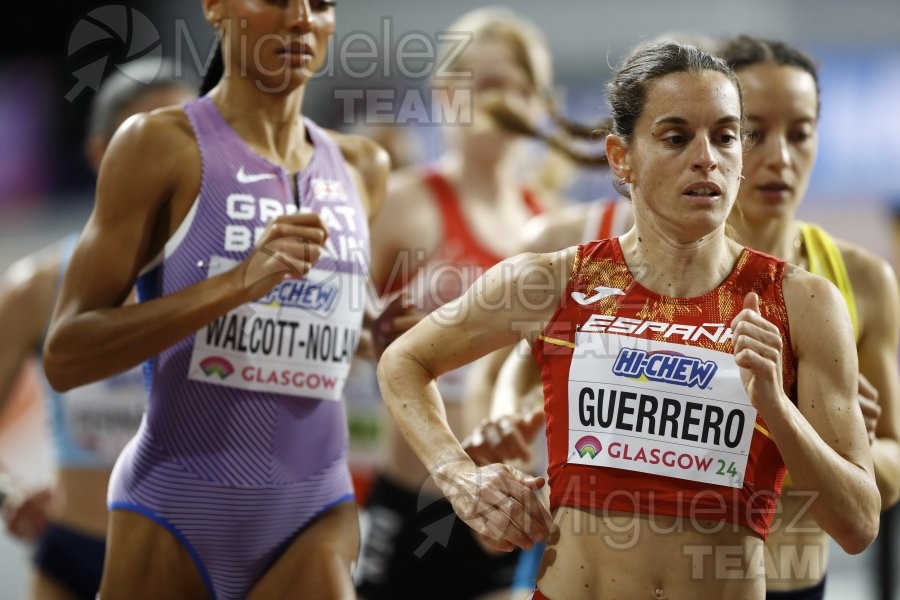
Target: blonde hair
526,40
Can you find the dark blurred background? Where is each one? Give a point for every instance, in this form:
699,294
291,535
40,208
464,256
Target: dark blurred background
49,66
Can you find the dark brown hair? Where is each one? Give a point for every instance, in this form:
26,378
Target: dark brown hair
746,51
629,87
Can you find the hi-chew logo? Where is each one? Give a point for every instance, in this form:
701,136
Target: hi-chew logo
302,293
216,365
665,366
588,446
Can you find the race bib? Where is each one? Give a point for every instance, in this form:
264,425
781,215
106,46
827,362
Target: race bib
659,408
297,340
103,416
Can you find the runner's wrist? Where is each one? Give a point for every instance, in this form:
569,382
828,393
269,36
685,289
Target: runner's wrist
781,416
446,468
241,288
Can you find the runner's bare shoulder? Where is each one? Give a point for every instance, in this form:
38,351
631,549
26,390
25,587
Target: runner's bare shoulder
152,155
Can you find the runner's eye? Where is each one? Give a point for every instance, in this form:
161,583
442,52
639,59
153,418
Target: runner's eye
675,140
753,136
727,139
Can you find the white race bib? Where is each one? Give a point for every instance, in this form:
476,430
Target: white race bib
659,408
103,416
297,340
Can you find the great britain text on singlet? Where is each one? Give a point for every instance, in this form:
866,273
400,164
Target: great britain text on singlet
339,218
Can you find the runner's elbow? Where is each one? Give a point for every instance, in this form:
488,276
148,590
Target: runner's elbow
860,528
61,364
389,366
857,542
58,376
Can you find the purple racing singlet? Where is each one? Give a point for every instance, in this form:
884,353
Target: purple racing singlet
245,438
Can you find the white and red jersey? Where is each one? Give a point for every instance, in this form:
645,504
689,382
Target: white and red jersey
645,408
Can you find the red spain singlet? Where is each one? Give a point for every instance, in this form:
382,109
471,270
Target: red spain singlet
460,258
645,409
456,263
460,244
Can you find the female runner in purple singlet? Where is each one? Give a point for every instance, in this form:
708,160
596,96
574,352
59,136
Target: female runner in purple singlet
245,228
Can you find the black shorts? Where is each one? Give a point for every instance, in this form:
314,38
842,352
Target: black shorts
71,559
415,547
816,592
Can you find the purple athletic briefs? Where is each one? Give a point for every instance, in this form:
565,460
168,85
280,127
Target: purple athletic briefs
245,437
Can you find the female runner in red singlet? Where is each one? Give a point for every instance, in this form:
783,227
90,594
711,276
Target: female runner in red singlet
440,229
678,369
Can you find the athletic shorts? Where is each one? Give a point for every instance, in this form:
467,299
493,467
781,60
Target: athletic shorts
816,592
415,547
71,559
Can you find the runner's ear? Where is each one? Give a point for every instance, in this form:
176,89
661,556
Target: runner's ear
618,157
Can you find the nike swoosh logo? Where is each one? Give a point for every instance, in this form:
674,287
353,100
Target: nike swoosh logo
248,178
602,292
